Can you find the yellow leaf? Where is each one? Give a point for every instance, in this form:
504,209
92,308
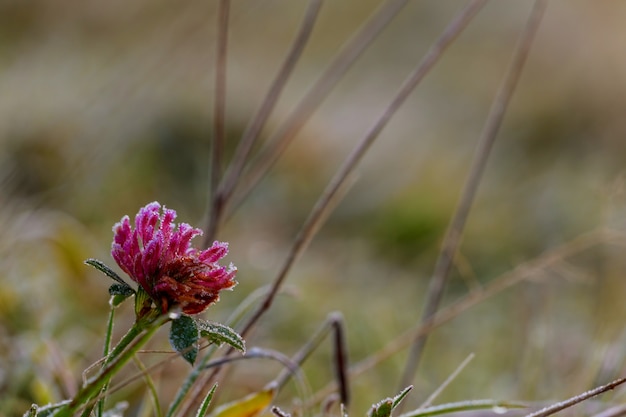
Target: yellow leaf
249,406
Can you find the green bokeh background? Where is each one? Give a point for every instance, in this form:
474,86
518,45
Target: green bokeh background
106,106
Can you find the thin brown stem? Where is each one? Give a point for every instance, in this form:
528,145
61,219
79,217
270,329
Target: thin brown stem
219,118
555,408
459,219
316,94
324,206
254,128
350,163
333,322
431,398
341,358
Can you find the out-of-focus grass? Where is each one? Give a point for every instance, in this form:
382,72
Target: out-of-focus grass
107,107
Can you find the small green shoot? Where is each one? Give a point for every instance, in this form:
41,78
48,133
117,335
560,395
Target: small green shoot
204,407
386,406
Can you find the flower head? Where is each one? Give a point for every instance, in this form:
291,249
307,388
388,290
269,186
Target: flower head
156,254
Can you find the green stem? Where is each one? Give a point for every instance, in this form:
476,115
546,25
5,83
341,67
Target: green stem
151,387
121,354
105,354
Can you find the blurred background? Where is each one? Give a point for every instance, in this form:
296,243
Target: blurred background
106,106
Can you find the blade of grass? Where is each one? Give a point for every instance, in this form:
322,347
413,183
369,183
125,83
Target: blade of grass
253,130
457,224
204,407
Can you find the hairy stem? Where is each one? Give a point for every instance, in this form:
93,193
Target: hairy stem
105,354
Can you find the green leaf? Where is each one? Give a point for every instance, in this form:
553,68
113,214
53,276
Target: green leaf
398,398
119,293
204,407
101,266
382,409
121,289
184,337
386,406
219,333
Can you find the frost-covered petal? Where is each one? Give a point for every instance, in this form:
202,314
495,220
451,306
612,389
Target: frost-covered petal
167,228
122,230
151,257
157,254
216,252
181,239
146,220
